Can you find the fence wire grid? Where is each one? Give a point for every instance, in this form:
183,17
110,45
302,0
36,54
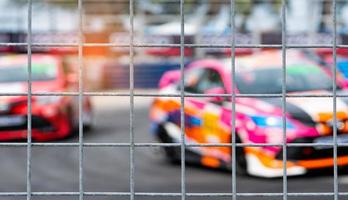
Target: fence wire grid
132,193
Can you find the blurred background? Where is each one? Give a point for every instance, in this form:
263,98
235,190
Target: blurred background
106,68
158,22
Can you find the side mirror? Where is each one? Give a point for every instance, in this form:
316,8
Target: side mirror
71,78
216,91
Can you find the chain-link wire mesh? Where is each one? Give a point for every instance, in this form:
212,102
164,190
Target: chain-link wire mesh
81,145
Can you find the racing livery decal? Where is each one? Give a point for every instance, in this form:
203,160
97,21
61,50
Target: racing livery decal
208,120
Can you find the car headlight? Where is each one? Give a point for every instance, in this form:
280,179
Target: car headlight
48,99
271,121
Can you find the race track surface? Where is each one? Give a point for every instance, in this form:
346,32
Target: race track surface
106,169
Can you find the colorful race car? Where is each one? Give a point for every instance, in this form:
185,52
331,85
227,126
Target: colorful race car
53,117
257,120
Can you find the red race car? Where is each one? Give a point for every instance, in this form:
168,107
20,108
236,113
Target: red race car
53,117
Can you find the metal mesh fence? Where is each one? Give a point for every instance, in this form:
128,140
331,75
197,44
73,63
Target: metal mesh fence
132,193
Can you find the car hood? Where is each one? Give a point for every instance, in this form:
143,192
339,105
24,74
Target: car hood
310,110
8,88
36,86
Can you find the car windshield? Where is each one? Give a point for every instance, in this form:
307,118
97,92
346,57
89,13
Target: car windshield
19,73
269,80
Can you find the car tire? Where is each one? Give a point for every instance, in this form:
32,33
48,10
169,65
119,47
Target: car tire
90,123
171,154
241,162
72,121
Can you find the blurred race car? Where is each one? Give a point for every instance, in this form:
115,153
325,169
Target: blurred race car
258,120
53,117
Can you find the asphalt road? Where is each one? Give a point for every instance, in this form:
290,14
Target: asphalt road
55,169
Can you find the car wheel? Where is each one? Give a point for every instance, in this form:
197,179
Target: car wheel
172,154
72,120
88,121
241,163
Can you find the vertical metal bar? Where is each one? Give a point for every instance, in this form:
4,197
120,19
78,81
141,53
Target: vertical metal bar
131,99
182,99
284,36
29,128
80,99
334,71
233,117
